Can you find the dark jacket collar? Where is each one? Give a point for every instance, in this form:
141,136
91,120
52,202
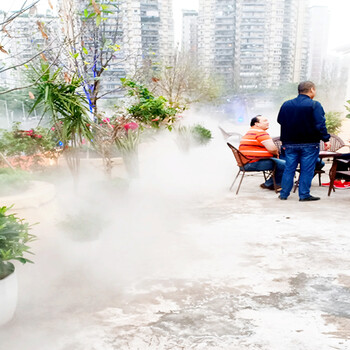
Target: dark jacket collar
304,96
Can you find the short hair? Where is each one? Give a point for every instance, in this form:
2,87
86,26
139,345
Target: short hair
255,120
305,86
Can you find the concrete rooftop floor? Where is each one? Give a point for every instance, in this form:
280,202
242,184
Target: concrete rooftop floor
178,268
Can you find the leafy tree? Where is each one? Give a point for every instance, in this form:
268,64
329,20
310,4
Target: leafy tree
67,109
180,81
93,49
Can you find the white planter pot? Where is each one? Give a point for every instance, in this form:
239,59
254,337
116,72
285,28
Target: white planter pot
8,298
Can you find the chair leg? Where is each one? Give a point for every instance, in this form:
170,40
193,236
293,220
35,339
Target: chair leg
239,186
332,175
274,179
296,184
235,179
319,179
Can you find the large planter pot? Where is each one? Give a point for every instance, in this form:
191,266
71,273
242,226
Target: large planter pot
8,298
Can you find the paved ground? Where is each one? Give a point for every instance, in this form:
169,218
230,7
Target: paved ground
178,262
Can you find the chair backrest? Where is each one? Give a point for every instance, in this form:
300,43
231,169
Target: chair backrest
277,141
227,134
240,158
336,143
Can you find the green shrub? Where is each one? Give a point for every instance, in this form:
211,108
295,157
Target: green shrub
201,134
17,142
347,107
14,237
13,181
148,109
333,122
196,135
85,225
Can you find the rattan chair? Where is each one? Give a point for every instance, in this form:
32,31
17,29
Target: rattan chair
242,161
336,144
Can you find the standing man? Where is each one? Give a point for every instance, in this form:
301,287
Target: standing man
257,144
303,125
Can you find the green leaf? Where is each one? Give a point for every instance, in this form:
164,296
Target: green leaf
85,50
86,13
98,20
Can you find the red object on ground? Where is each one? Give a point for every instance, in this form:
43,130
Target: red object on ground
341,185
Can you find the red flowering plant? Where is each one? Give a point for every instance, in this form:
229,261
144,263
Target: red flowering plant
116,133
32,144
128,137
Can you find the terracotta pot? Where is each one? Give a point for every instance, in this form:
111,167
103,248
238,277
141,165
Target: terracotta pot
8,298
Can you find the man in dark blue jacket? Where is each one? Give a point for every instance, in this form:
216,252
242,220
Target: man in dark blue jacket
303,125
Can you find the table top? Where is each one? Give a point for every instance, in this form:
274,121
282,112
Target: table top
328,154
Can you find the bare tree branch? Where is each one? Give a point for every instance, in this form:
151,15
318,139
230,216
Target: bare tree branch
17,13
38,79
30,59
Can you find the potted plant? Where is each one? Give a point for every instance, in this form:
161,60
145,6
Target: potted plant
189,136
14,237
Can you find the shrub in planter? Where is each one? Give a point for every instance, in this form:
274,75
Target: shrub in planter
190,136
85,225
201,135
14,239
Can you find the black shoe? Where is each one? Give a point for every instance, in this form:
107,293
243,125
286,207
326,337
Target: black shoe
282,198
271,187
309,199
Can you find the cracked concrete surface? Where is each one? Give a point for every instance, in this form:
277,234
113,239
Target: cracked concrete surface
201,271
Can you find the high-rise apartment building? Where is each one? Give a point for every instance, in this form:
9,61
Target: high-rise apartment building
157,33
319,27
189,44
253,43
29,34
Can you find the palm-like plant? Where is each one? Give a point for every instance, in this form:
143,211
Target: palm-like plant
59,97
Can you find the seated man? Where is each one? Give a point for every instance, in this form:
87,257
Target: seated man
257,143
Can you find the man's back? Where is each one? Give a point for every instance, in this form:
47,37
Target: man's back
302,121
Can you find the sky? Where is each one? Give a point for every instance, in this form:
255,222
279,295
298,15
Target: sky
339,9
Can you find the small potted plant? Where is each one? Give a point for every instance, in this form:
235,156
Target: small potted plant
190,136
14,237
